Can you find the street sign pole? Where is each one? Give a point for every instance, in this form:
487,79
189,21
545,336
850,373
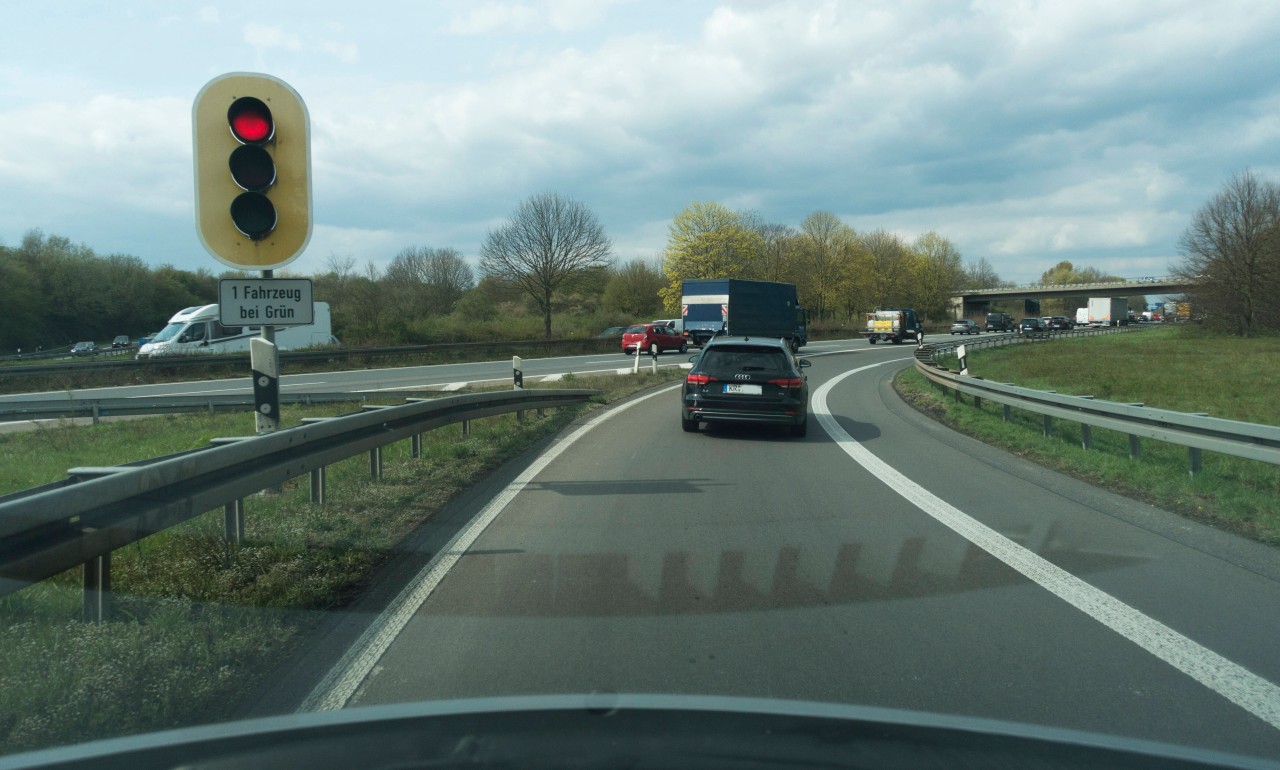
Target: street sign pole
264,360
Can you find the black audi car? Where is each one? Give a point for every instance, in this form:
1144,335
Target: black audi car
746,379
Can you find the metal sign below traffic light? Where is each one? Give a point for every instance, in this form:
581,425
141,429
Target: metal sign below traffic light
252,149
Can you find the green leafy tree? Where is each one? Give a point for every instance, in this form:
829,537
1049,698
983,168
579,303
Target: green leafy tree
939,274
827,251
890,268
707,240
20,298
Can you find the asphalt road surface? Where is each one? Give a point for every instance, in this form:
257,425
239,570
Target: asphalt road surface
439,376
882,560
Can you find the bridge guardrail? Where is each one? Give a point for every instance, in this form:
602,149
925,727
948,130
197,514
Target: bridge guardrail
1196,431
79,521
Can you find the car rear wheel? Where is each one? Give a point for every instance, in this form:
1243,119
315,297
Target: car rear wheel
684,347
800,430
688,426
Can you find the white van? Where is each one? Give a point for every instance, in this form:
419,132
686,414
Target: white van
197,330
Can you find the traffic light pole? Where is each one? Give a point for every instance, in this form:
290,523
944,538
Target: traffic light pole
264,358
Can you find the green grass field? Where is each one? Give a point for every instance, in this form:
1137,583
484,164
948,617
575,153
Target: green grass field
1178,368
200,623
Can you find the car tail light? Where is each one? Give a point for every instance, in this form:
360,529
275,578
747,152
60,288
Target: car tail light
698,379
791,383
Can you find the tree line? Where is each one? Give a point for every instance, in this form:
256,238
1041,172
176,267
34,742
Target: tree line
549,270
839,273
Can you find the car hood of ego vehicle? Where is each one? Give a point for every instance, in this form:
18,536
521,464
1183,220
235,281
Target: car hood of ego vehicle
623,730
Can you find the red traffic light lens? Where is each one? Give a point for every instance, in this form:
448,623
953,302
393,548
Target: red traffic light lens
250,120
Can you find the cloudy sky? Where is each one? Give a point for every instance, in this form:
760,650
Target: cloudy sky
1025,132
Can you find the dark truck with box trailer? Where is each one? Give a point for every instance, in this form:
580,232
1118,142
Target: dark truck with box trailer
743,308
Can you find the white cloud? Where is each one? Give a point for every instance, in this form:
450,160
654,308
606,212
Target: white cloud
487,18
568,15
262,37
505,17
209,15
347,53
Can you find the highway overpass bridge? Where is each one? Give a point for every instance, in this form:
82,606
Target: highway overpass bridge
973,302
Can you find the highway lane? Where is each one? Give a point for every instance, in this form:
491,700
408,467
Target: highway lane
739,561
391,380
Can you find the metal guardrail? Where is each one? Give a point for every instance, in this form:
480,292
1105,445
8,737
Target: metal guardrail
79,521
1196,431
97,408
301,356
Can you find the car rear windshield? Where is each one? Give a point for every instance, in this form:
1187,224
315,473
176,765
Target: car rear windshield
636,329
743,359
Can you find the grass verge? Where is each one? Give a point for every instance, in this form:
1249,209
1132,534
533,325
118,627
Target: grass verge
201,622
1164,368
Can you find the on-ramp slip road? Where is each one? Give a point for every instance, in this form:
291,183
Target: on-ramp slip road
883,560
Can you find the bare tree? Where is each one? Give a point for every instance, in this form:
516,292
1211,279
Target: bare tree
1231,252
549,242
426,281
980,275
772,263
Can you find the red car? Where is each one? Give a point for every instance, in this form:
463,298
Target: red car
654,338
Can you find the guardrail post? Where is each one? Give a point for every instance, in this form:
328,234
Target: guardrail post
1048,426
1194,460
318,479
95,413
1135,444
415,446
233,521
375,463
466,427
97,589
1007,413
1086,435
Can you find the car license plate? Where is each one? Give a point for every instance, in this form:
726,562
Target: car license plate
742,388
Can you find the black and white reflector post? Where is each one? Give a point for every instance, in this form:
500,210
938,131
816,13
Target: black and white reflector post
264,358
964,367
517,372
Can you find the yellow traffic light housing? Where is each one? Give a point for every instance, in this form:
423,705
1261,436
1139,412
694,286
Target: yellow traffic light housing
252,148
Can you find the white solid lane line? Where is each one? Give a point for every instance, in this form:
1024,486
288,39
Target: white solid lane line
1232,681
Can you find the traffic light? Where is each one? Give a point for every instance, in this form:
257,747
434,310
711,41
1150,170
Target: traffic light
252,138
